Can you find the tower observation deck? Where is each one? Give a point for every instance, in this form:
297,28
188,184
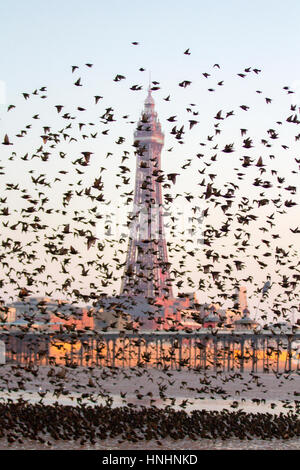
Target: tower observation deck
147,267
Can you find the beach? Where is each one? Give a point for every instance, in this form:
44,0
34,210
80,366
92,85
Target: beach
166,444
185,389
264,394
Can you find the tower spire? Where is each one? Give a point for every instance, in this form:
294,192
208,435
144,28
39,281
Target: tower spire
149,102
147,268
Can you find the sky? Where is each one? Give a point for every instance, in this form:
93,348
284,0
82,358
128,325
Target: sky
40,43
39,40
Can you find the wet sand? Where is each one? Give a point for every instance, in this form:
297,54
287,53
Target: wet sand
165,444
187,390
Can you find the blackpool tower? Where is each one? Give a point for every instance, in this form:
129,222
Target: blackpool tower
147,268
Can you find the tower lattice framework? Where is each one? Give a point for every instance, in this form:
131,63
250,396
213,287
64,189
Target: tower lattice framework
147,267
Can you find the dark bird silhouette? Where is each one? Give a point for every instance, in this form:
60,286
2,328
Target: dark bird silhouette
6,140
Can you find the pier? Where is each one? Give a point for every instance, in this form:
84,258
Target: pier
205,349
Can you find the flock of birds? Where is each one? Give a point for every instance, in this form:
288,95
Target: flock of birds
87,425
39,256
